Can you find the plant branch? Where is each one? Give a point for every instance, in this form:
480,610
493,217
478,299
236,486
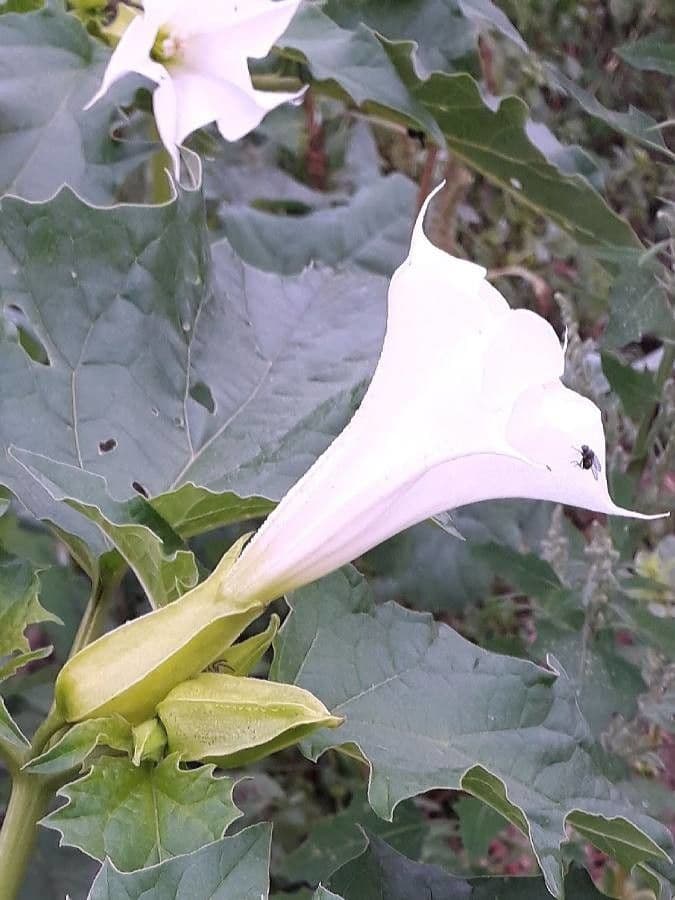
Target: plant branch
268,82
27,804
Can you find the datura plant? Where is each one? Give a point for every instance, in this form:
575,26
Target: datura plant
451,416
235,406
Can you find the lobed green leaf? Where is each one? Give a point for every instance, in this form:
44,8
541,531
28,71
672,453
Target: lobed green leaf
518,724
232,867
138,816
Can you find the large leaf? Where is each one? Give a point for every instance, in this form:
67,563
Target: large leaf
335,840
354,63
137,816
50,68
634,124
444,31
382,872
233,868
372,231
67,268
431,570
493,141
606,684
208,390
428,709
651,52
440,30
165,567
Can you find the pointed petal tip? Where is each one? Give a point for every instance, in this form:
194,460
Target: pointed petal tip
633,514
418,230
422,248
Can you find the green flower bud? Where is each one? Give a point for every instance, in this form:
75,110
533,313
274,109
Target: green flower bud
233,721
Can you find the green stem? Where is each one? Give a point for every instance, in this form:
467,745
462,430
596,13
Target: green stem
277,83
31,794
27,805
268,82
92,623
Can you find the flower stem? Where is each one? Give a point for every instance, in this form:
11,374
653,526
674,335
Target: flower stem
27,804
32,793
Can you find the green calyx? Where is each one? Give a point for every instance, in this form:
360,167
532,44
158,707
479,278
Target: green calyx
131,669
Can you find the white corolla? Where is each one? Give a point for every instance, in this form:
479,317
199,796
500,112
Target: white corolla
196,51
466,404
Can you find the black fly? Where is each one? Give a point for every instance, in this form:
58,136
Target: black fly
588,460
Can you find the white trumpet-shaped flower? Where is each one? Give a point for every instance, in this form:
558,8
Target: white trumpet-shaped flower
466,404
196,52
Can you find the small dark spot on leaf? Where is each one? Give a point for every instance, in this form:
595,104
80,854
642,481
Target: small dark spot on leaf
107,446
178,421
201,393
154,411
139,489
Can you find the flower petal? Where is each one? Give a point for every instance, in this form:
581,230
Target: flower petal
465,405
523,351
249,28
132,54
246,111
551,422
198,99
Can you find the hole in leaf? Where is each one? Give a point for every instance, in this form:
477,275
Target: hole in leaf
28,338
201,393
107,446
138,487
